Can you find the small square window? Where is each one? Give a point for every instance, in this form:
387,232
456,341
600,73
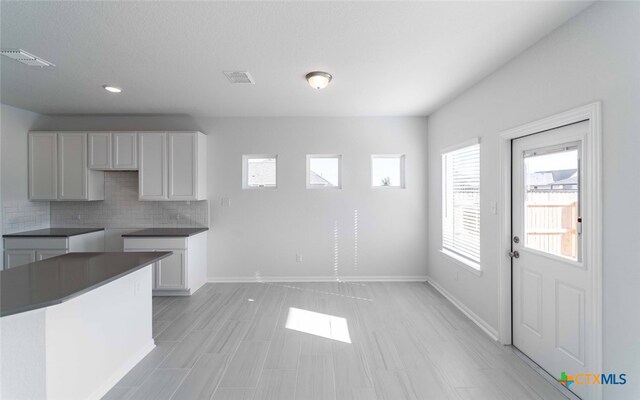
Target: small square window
324,171
259,171
387,171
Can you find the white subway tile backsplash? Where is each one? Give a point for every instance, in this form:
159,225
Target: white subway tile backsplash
122,209
18,216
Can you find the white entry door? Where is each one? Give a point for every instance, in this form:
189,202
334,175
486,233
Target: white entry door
551,285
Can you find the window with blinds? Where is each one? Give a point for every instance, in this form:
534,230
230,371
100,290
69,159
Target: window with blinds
461,204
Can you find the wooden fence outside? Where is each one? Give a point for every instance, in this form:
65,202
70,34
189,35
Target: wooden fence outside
551,222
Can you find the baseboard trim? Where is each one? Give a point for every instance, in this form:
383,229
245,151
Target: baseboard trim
488,329
122,371
172,292
280,279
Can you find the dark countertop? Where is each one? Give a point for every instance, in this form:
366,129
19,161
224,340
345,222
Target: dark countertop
52,232
58,279
166,232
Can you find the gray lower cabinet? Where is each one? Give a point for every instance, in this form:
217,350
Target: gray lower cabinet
171,272
20,251
44,254
14,258
183,272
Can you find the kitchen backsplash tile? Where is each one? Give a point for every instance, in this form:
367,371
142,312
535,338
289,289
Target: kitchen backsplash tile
19,216
122,209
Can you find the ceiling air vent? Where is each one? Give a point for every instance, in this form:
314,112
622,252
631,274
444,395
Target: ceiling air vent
26,58
239,77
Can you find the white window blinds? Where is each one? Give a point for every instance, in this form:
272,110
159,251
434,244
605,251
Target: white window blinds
461,202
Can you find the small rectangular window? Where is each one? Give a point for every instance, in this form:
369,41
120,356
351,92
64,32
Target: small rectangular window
461,204
324,171
259,171
387,171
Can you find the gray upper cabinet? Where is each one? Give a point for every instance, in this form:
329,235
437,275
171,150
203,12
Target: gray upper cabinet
58,168
43,166
173,166
100,150
72,166
187,165
125,150
113,151
152,155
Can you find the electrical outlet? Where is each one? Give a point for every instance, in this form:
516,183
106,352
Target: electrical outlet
299,258
225,202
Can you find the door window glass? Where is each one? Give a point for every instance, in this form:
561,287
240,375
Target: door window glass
552,195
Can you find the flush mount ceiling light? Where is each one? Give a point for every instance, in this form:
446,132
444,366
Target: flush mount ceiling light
318,79
112,89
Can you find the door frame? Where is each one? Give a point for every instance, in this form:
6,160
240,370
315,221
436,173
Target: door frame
592,238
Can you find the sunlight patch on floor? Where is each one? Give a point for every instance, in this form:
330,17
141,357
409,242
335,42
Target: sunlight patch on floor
324,325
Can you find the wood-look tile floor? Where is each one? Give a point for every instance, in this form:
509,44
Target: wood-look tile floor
229,342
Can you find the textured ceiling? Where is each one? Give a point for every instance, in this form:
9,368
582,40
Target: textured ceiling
387,58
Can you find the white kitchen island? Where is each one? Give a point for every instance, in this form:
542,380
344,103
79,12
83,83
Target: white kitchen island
73,325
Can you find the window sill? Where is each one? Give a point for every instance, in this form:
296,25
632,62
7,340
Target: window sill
463,262
259,187
324,187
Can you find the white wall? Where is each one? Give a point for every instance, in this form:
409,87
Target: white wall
595,56
263,230
14,125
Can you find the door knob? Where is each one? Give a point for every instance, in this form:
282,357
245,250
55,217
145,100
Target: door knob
514,254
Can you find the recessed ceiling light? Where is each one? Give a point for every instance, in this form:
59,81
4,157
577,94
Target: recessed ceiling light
112,89
318,79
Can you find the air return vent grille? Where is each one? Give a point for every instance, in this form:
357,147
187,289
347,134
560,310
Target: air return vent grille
239,77
26,58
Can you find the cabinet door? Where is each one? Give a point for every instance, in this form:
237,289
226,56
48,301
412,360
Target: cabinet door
152,158
154,266
172,271
72,166
183,153
44,254
14,258
154,275
43,166
125,150
99,150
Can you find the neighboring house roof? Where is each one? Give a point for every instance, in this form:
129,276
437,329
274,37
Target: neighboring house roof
549,179
317,180
573,180
261,172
